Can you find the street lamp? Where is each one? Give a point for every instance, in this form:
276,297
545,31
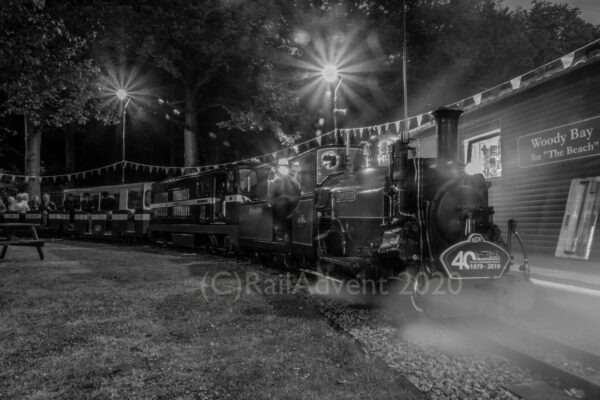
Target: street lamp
330,74
125,99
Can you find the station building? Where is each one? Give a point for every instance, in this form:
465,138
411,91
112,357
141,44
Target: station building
537,140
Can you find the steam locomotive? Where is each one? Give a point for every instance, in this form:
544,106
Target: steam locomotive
424,223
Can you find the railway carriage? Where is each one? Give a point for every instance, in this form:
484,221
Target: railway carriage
132,204
201,208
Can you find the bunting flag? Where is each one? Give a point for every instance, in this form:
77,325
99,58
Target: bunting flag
567,60
516,83
419,119
360,133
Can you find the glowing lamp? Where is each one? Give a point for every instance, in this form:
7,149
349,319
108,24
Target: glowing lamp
330,73
121,94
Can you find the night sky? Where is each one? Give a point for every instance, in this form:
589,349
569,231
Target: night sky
590,9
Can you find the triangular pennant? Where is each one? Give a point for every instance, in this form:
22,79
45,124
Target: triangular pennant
69,178
26,179
151,169
84,174
14,177
125,164
477,99
198,169
378,130
397,123
182,169
516,83
567,60
296,148
114,167
419,119
318,138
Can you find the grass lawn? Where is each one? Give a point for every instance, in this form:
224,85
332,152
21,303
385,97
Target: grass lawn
103,321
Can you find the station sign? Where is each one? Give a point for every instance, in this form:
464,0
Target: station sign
475,258
576,140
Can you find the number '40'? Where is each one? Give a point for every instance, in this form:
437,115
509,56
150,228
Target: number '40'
462,259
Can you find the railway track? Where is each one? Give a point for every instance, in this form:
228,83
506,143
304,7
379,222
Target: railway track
566,371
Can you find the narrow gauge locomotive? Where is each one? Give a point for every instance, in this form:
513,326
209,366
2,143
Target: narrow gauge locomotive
423,222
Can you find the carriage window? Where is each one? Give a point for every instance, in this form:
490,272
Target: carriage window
147,198
204,186
248,182
231,182
484,155
134,200
160,197
179,195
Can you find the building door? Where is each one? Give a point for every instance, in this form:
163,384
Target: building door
579,222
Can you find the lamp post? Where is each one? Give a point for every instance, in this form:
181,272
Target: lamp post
330,74
125,99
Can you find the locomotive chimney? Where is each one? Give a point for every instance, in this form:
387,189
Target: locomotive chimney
447,134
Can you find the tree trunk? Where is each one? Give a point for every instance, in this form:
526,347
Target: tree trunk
190,129
33,139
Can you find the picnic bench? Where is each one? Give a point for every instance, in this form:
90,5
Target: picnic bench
11,239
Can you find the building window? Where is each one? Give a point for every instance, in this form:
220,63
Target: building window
483,154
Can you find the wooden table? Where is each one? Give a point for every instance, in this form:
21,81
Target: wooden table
11,239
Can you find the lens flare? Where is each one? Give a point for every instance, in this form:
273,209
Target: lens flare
330,73
121,94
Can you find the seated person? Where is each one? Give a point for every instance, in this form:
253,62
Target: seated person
34,203
69,207
13,206
87,204
47,204
23,203
107,202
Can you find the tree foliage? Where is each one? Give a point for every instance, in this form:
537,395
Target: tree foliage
241,65
46,74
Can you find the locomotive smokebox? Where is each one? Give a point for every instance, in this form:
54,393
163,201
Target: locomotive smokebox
447,134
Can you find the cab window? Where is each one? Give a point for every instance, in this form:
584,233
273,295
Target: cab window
248,182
